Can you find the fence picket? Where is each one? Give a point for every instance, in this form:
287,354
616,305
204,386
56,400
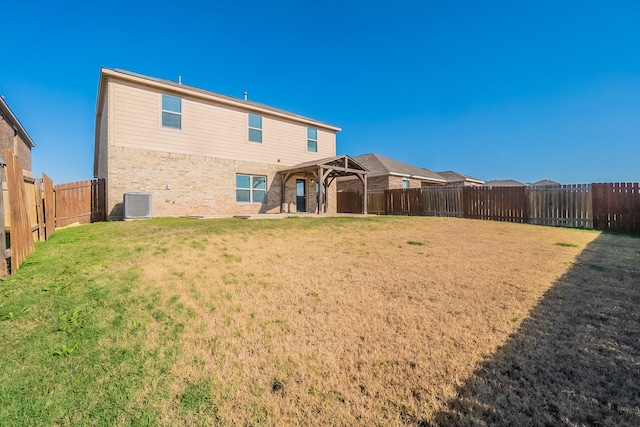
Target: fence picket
21,237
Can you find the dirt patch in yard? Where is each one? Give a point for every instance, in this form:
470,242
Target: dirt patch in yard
373,322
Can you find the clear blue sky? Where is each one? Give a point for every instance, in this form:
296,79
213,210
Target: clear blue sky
496,90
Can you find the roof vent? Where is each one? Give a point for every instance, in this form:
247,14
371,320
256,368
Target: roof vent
137,205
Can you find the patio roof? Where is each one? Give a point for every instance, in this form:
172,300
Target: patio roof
338,165
325,171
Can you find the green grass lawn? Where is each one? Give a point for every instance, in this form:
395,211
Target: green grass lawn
74,332
85,340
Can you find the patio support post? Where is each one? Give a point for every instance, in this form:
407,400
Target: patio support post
363,178
364,196
319,193
325,171
323,189
285,178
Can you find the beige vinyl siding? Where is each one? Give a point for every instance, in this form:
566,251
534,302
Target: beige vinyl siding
207,129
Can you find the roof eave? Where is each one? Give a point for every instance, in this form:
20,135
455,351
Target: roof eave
16,123
421,178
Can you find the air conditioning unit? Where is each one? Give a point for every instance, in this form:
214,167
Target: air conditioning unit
137,205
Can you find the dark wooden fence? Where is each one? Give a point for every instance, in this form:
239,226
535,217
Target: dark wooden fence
608,207
350,202
616,207
32,208
496,204
404,202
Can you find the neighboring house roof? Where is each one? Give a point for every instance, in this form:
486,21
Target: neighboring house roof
546,183
504,183
452,177
17,126
339,165
380,165
192,91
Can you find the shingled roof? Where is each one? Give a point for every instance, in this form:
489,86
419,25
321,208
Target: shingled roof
546,183
504,183
380,165
453,177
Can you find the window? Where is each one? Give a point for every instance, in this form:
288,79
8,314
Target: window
255,128
405,183
251,188
171,112
312,140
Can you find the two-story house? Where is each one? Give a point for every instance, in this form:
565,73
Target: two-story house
198,152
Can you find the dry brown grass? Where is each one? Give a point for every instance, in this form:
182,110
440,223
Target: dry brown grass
347,323
575,360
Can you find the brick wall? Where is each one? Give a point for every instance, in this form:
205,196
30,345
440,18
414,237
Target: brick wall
21,149
23,153
377,183
6,135
183,185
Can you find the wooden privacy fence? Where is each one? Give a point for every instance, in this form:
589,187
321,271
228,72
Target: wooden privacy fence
31,209
563,206
442,201
616,207
376,202
497,204
403,202
82,202
607,207
348,203
17,205
434,202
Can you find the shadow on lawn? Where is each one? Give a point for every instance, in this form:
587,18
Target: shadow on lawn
576,359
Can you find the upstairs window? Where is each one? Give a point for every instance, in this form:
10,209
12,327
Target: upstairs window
255,128
312,140
171,112
251,188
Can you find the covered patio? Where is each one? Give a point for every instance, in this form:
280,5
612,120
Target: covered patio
325,171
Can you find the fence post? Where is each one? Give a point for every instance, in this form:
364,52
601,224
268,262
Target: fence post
3,235
49,207
39,210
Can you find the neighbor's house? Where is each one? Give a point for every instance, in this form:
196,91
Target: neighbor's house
545,183
504,183
202,153
389,174
15,137
455,179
